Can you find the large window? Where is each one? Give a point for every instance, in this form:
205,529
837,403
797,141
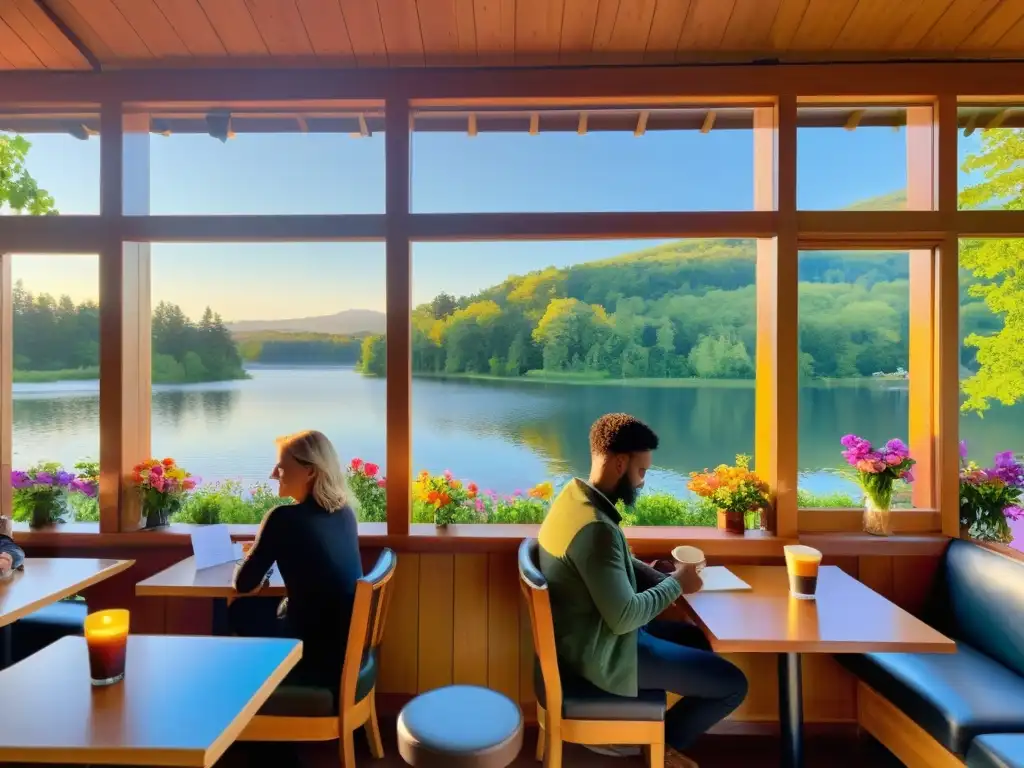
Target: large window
231,160
854,365
852,158
253,342
55,399
579,160
518,347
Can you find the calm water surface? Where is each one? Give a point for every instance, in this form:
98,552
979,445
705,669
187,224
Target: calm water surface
505,436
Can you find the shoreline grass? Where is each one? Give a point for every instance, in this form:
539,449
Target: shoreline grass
92,374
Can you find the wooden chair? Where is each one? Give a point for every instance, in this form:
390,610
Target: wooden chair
580,713
302,713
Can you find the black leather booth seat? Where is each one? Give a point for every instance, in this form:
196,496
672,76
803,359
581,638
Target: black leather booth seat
980,688
1001,750
47,625
460,726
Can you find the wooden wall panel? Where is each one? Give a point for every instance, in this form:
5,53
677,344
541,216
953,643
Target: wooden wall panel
470,640
503,635
399,653
436,621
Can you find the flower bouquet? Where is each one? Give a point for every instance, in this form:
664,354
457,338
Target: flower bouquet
162,486
877,472
991,497
446,495
41,494
736,491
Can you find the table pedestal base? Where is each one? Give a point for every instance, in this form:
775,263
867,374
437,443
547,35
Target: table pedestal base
791,710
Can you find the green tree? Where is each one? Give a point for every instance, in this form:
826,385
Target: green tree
999,266
18,189
374,360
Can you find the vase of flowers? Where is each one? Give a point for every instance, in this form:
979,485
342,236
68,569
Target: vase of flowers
736,491
40,494
877,471
991,497
162,486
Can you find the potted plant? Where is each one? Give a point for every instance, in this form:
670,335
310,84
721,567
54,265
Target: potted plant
877,470
162,486
40,494
735,490
990,497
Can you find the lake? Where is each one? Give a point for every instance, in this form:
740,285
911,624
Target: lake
504,436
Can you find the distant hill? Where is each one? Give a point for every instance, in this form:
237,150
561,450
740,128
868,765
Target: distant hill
349,322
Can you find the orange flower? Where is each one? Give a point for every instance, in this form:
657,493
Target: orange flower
168,462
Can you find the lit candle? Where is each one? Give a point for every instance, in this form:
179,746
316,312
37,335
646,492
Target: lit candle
106,635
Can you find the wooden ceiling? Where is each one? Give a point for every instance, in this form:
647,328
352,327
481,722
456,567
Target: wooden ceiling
111,34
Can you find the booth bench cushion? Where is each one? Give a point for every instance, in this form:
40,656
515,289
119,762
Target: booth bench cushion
954,697
309,701
581,700
46,625
997,750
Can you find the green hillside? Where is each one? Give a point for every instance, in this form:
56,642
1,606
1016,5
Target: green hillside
680,310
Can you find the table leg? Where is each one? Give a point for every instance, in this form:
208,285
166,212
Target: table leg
791,710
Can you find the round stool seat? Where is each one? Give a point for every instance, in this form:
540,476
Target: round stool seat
461,726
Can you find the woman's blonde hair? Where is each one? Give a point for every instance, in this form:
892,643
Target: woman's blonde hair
312,449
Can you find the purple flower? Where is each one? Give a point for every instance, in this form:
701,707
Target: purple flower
1014,512
963,449
20,479
908,476
64,479
897,447
893,459
85,487
45,478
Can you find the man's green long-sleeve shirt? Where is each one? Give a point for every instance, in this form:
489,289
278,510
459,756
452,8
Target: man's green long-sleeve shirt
596,607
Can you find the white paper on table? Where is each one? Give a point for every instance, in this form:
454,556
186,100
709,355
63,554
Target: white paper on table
211,545
718,578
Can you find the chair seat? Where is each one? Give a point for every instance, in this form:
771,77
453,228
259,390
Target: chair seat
954,697
582,700
460,726
46,625
290,700
997,750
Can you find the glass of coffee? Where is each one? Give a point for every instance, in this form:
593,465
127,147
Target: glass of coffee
802,565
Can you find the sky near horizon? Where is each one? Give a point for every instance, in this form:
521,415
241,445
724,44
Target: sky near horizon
334,173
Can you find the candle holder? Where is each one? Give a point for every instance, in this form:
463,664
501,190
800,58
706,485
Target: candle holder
106,635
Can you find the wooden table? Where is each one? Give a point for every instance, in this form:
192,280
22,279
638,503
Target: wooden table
183,580
846,617
182,702
45,580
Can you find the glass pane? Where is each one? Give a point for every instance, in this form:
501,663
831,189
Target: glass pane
52,163
505,168
270,161
854,358
270,342
852,158
991,147
992,372
56,378
519,347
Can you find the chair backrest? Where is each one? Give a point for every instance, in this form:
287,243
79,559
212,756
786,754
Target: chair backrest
538,600
985,597
369,614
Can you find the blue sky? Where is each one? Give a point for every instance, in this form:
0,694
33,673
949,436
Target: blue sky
326,173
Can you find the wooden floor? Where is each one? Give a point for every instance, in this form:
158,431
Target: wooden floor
719,751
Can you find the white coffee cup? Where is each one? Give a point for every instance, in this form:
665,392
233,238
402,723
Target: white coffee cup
688,555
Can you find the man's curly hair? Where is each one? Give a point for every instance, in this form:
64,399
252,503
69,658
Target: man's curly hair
621,433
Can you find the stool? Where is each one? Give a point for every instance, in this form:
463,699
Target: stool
460,726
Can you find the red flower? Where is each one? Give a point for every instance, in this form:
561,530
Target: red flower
383,482
168,462
370,469
357,463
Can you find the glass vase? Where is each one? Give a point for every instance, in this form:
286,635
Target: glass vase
877,517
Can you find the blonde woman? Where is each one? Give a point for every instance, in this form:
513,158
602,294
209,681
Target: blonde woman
315,544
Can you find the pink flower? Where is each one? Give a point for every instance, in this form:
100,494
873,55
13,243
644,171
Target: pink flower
518,493
448,474
479,505
188,483
156,471
382,483
370,469
159,484
866,465
356,463
1014,512
892,459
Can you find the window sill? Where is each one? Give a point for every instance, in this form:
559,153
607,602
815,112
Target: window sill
646,542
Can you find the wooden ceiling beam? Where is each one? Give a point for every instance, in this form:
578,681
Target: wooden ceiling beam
69,35
530,88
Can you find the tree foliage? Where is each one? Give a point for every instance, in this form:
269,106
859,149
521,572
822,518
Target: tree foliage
18,190
998,268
